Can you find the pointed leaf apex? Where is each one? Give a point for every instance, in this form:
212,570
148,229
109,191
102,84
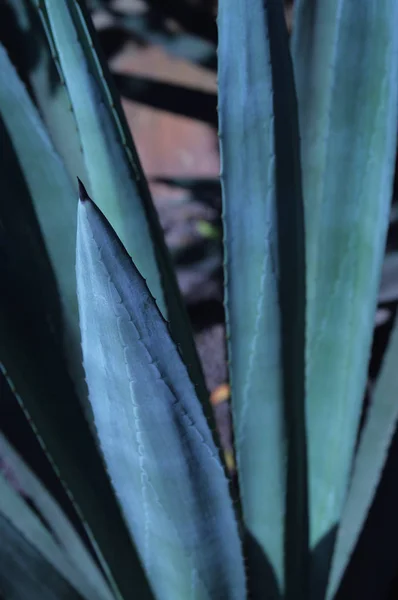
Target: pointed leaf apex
83,196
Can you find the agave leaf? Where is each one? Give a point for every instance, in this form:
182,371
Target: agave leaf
115,175
185,101
45,83
40,380
195,19
50,191
264,274
67,541
32,361
25,573
110,174
157,445
346,67
32,564
369,461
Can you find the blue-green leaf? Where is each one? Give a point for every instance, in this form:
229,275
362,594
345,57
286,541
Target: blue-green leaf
32,564
32,361
114,171
346,67
65,547
371,455
51,194
111,176
36,63
156,443
265,286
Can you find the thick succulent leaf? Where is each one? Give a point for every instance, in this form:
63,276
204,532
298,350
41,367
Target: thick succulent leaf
24,573
264,273
110,175
32,563
157,445
115,175
346,67
36,63
32,362
23,480
51,194
369,461
83,474
185,101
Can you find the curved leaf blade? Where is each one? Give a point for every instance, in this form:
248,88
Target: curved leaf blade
32,362
114,171
28,551
346,66
265,288
369,461
157,445
35,61
51,192
62,530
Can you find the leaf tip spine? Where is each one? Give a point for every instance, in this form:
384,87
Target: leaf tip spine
83,195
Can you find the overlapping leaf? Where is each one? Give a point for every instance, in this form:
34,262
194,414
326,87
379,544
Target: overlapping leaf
115,176
155,439
346,67
53,541
264,275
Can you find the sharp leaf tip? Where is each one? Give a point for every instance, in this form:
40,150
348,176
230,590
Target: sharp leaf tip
83,196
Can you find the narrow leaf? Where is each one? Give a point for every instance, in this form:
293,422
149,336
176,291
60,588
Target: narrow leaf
51,193
115,175
156,443
62,530
110,174
264,297
36,64
369,462
31,360
346,67
28,552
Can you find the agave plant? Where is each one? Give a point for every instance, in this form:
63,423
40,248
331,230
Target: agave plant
96,347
